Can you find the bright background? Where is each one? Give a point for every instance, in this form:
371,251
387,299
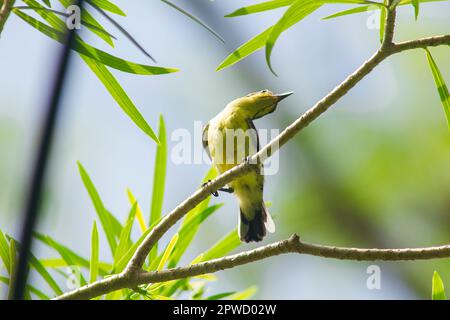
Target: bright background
372,172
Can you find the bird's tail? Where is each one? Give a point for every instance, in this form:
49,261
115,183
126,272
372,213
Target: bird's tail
254,229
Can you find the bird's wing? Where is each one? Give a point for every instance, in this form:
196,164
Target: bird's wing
205,140
252,126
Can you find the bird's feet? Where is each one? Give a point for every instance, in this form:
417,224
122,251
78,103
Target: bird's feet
216,192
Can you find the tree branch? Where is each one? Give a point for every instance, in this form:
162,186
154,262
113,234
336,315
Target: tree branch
291,245
133,274
421,43
389,26
5,10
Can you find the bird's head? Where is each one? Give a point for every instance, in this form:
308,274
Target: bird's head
257,104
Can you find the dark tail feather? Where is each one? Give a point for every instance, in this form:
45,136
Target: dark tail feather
254,229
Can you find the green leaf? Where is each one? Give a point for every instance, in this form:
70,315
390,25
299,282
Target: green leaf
139,215
369,8
188,231
122,30
244,295
259,41
438,292
159,178
220,295
12,268
69,256
60,263
120,96
47,3
124,241
102,213
275,4
192,220
440,85
108,6
36,264
91,23
4,251
415,4
195,19
296,12
93,265
246,49
260,7
230,242
382,22
40,268
88,51
120,265
167,252
38,293
349,11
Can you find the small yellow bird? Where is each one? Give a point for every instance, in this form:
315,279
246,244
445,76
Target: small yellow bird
230,138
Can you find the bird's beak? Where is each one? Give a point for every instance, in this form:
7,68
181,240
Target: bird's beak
281,96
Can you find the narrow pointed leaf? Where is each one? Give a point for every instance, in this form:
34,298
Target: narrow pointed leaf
120,265
367,8
188,231
41,270
251,46
195,19
122,30
438,292
88,51
230,242
119,94
102,213
348,12
4,251
93,264
415,4
440,85
139,215
244,295
260,7
71,258
382,23
124,241
220,295
296,12
159,179
108,6
167,252
90,20
12,268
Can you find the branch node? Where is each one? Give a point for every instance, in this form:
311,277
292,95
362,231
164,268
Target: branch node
294,239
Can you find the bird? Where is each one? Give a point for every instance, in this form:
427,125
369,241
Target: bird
231,138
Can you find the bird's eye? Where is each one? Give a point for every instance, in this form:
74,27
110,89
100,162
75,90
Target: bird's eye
264,91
